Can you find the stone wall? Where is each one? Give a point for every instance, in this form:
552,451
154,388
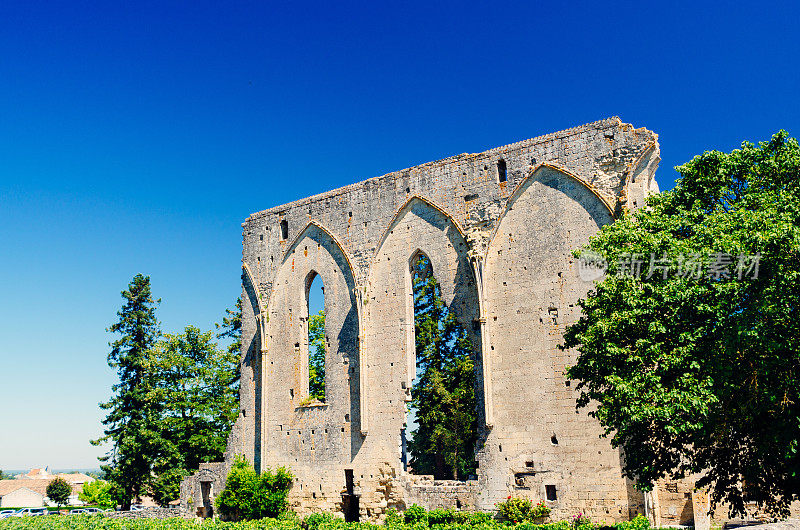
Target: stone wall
499,228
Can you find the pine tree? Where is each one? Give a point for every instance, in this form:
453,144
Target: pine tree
444,395
132,422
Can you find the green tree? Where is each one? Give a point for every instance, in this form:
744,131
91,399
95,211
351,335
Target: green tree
132,421
59,491
316,356
700,373
5,476
231,327
248,495
443,397
97,493
198,384
166,486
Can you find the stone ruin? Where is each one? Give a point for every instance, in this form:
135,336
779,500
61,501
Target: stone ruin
499,228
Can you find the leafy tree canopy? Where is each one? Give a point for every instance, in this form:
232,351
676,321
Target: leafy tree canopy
198,384
97,493
59,491
690,346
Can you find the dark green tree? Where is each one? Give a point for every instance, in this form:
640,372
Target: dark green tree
132,423
316,356
198,385
443,397
59,491
694,362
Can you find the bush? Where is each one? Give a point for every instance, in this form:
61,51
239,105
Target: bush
248,495
519,510
414,514
640,522
313,521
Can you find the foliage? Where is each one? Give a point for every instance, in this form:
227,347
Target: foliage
580,522
249,495
198,386
132,422
166,486
444,395
97,493
414,514
5,476
461,521
313,521
59,491
316,356
231,328
517,510
640,522
701,373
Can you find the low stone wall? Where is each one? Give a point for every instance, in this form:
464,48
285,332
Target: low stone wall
155,512
431,494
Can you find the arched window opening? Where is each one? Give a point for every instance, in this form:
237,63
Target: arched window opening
441,419
317,343
501,170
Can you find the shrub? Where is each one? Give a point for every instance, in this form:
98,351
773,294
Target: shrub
581,522
313,521
518,510
392,518
414,514
441,516
640,522
248,495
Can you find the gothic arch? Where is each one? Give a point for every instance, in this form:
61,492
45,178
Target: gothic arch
530,279
315,251
419,226
405,208
538,171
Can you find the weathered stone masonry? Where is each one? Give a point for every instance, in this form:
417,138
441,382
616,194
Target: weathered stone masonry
499,228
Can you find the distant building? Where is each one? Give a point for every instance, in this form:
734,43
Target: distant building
29,490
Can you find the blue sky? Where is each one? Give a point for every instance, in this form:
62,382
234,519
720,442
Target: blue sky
137,136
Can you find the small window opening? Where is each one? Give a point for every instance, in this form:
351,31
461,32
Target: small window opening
554,440
529,463
501,170
550,492
284,230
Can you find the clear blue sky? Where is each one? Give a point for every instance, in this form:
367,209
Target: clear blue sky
137,136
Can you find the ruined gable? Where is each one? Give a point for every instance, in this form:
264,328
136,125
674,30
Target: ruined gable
499,228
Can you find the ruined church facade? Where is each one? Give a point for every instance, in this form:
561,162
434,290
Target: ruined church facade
499,228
